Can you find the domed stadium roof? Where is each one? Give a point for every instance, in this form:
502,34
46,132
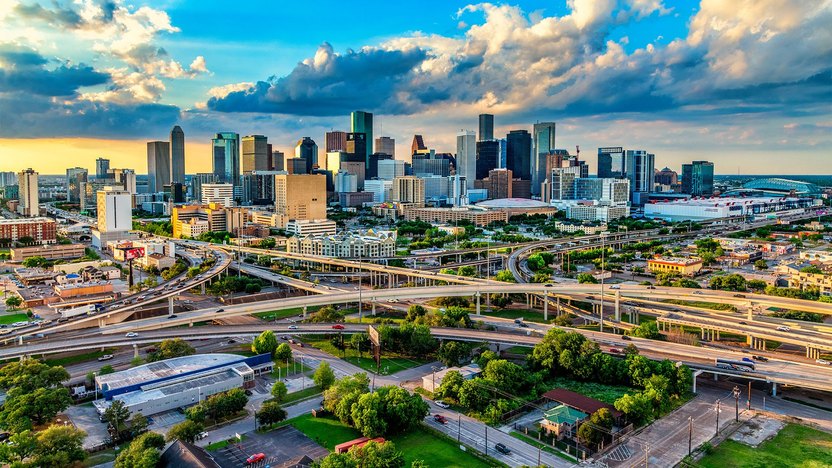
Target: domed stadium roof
784,186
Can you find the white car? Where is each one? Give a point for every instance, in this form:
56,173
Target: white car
823,361
132,335
442,404
615,286
105,357
783,328
293,327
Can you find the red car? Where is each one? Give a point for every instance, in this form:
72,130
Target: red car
338,327
255,458
440,419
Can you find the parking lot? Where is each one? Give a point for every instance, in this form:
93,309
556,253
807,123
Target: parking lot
279,446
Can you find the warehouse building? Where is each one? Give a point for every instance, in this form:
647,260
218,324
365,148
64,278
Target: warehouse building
724,207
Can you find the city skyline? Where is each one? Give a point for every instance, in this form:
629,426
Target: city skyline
647,75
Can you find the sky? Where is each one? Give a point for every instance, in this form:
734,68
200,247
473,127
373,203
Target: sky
744,83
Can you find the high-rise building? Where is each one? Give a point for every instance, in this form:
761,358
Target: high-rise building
666,176
278,161
418,145
333,160
386,145
357,168
519,153
29,203
75,176
307,149
375,158
336,140
498,183
200,179
345,182
102,167
556,158
177,155
488,157
362,122
114,209
255,153
158,165
124,178
611,163
409,190
431,163
389,169
698,178
486,127
544,144
563,182
300,196
8,178
466,156
357,147
640,167
226,157
222,194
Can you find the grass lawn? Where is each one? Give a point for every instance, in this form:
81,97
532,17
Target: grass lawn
544,447
12,318
795,445
519,350
99,458
389,364
67,360
702,304
281,314
301,395
606,393
525,314
219,445
326,431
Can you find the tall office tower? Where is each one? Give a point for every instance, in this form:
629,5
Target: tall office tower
488,157
333,160
357,168
486,127
296,165
409,190
158,165
555,158
389,169
418,145
362,122
198,180
386,145
563,182
466,156
255,153
269,157
29,204
666,176
375,158
177,155
222,194
457,191
357,147
226,154
307,149
124,178
431,164
114,210
278,161
336,140
698,178
102,167
544,143
346,182
640,167
519,153
8,178
498,183
611,163
300,196
75,176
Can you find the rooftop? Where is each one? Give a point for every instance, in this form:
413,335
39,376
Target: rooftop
167,368
580,402
564,414
723,201
676,260
503,203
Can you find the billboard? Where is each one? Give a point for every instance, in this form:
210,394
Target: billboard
134,252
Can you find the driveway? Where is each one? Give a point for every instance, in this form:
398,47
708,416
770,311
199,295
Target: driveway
86,418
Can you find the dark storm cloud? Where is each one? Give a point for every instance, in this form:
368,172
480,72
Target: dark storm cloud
59,15
25,71
331,84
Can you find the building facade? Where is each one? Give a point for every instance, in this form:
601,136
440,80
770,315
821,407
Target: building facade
177,155
158,165
226,157
519,153
40,230
611,163
362,122
255,153
676,265
544,144
222,194
698,178
486,127
386,145
300,196
466,156
29,200
75,176
640,168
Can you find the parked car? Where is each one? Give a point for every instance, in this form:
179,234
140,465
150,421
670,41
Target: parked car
442,404
651,287
255,458
440,419
202,435
105,357
338,326
500,447
131,335
760,358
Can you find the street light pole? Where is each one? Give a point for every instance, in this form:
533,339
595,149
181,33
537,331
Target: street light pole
737,402
717,417
690,434
603,249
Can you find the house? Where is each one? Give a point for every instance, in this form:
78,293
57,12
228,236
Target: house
580,402
561,420
179,454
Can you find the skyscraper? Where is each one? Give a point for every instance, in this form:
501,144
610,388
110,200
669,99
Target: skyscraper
336,140
200,179
114,208
158,165
177,155
29,204
75,176
357,147
386,145
518,153
362,122
611,163
226,153
698,178
102,166
488,157
418,145
640,166
255,153
544,143
486,127
300,196
466,156
278,161
307,149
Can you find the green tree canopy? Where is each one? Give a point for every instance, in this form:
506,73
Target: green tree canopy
172,348
324,376
266,342
143,452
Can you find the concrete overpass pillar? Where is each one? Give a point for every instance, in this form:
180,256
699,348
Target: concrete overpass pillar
477,295
546,307
202,288
695,375
373,304
774,389
617,305
170,305
304,312
20,340
557,300
135,350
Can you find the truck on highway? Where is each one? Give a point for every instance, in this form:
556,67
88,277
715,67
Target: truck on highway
76,311
742,366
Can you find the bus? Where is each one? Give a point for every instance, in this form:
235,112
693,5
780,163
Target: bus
742,366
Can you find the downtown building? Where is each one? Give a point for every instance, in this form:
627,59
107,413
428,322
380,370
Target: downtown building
589,199
698,178
114,211
28,198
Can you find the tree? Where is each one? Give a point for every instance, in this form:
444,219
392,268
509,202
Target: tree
586,278
366,415
168,349
34,394
594,432
360,342
283,352
415,311
271,413
20,446
338,460
143,452
646,330
342,387
324,377
266,342
637,407
473,396
138,424
506,376
377,455
505,276
279,391
453,353
326,314
186,431
451,384
59,446
106,369
13,302
761,264
117,415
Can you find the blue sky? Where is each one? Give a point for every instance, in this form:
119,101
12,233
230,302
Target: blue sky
747,83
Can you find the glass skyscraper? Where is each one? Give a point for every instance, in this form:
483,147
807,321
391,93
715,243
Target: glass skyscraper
611,163
177,155
226,148
519,153
698,178
362,122
544,143
486,127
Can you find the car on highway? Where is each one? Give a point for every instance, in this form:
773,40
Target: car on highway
615,286
500,447
172,316
783,328
131,335
257,457
697,292
823,361
743,323
747,359
615,351
740,295
105,357
626,338
651,287
440,419
219,310
338,327
759,358
292,327
442,404
548,285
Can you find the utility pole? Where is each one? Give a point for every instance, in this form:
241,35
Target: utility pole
737,402
749,395
717,417
690,435
458,428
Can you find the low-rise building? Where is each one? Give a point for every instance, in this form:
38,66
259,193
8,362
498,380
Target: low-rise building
39,230
51,252
589,229
561,421
432,381
346,245
701,208
302,227
592,210
816,255
83,289
811,276
678,265
193,228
